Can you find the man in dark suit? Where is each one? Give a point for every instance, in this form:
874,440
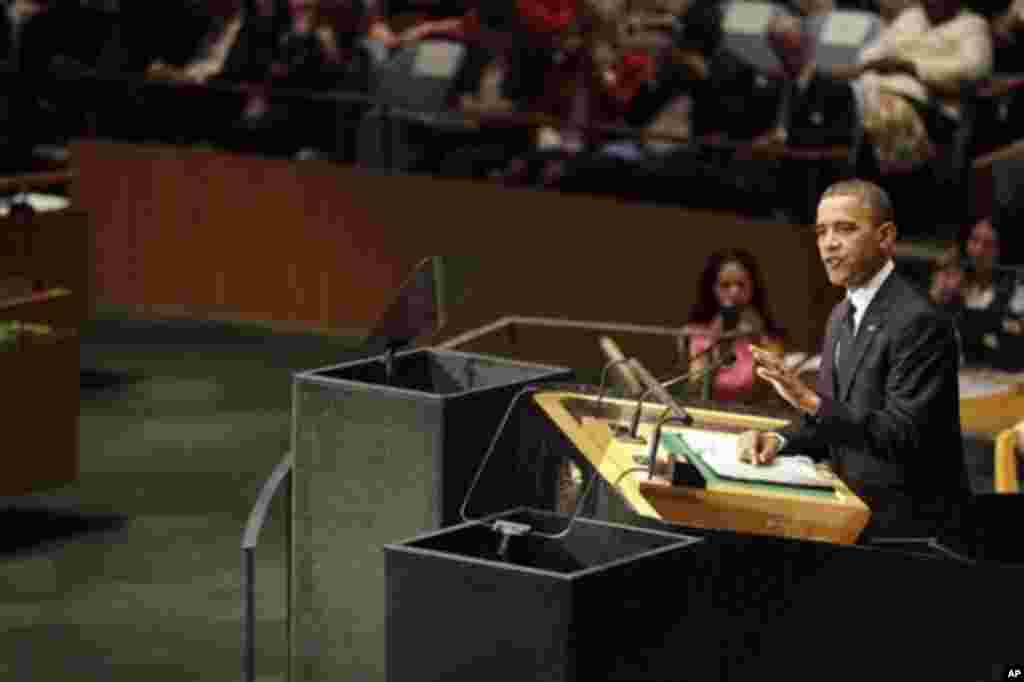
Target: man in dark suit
885,410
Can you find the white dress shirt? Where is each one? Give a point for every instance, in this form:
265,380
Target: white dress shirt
862,296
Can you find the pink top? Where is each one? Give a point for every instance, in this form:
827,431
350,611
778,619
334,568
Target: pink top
736,381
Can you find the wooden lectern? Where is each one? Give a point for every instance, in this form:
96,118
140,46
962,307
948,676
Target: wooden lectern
590,423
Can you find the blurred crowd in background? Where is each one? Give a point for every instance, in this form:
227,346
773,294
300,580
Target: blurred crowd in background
751,106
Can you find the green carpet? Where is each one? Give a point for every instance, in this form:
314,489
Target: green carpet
134,571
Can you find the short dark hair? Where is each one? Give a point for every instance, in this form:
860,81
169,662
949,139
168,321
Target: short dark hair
870,194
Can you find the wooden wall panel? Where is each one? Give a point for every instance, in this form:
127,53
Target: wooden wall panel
317,245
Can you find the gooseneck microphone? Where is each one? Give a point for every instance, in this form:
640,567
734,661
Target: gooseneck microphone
730,323
659,391
652,453
618,361
630,434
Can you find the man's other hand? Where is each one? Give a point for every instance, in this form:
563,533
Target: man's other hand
785,381
757,447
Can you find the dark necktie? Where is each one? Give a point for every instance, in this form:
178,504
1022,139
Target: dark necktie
844,343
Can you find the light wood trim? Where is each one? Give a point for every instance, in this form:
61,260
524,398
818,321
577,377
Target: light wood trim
746,421
1006,480
591,325
558,323
474,334
839,519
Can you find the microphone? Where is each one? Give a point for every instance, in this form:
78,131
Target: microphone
683,472
630,434
730,327
619,362
653,386
730,324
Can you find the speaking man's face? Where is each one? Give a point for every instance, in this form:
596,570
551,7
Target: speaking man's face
852,246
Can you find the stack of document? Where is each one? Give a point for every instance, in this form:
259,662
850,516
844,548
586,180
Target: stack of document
718,452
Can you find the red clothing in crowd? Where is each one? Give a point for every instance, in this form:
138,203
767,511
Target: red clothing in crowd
546,16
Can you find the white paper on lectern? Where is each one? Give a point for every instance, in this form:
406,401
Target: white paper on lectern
748,17
718,450
846,30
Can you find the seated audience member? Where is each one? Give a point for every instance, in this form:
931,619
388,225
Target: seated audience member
920,60
236,48
1008,38
538,61
579,77
579,94
946,290
729,100
987,287
364,24
265,44
223,51
485,151
731,284
908,89
797,106
308,56
987,301
816,109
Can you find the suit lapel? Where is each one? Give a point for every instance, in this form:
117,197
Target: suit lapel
827,380
873,321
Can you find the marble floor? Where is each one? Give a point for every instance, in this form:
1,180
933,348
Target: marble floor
134,571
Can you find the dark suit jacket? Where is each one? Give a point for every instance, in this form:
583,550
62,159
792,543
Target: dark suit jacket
823,113
735,99
892,431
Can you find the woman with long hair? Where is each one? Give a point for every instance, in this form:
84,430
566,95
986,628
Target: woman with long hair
731,299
